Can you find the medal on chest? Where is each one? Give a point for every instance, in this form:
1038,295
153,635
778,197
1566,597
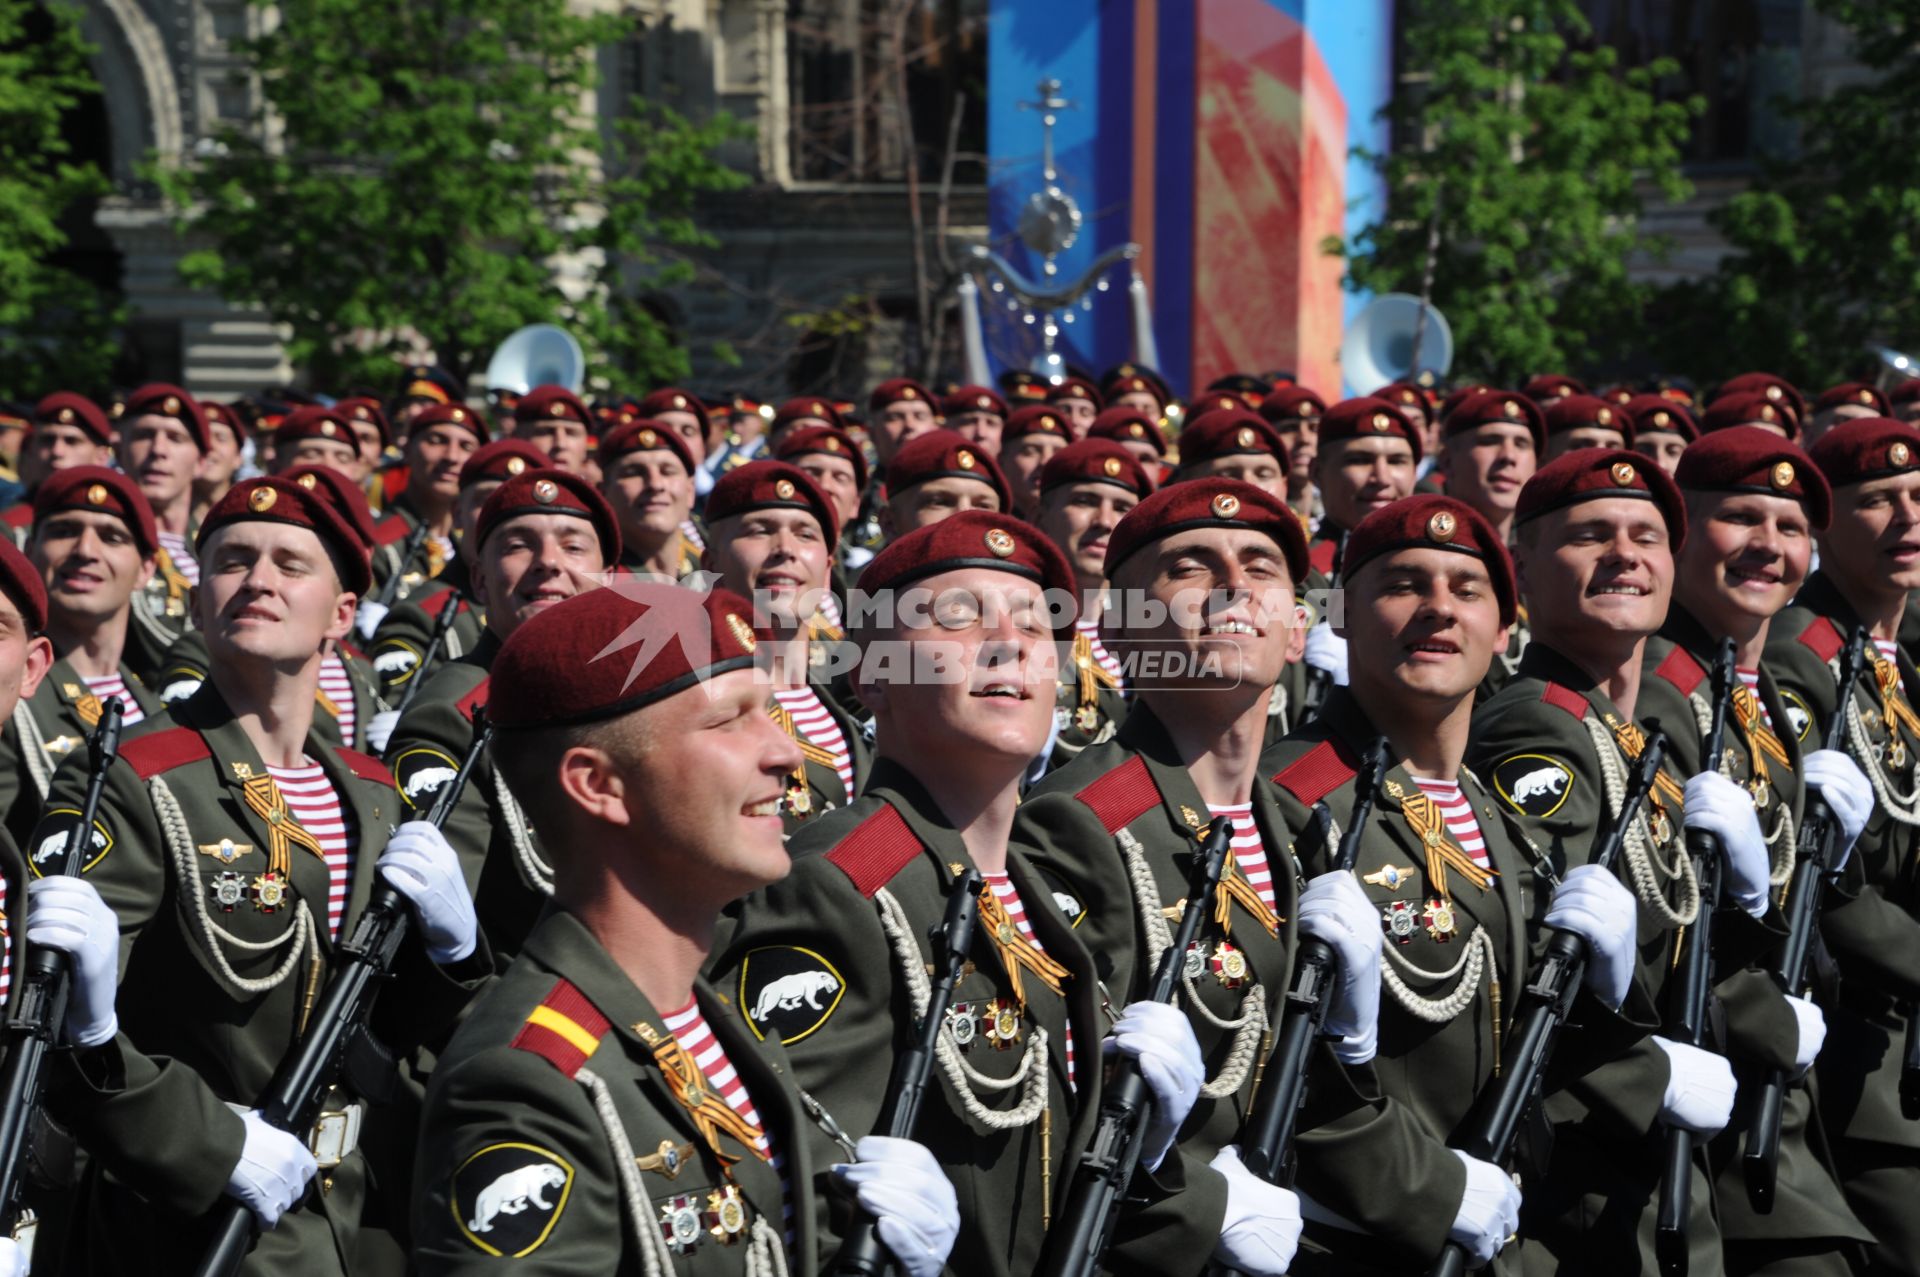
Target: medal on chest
1016,954
711,1114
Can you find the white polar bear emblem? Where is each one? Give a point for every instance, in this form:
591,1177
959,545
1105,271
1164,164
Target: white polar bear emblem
1068,905
427,779
789,991
393,661
1541,780
514,1192
53,844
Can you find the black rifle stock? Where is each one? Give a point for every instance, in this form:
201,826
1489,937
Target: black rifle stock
863,1254
40,1004
1545,1004
408,548
299,1086
1695,988
442,622
1761,1163
1084,1230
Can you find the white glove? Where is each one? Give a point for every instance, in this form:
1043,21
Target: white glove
1844,786
1159,1037
380,729
68,914
1261,1229
273,1169
367,618
914,1207
423,867
1328,651
1720,807
1489,1211
1597,907
13,1259
1335,910
1700,1088
1813,1033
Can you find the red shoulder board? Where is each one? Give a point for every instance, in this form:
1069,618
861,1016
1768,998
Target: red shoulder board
476,699
878,848
1320,557
365,766
1318,772
564,1030
18,516
1122,795
1822,639
1565,698
352,651
149,756
390,529
1681,670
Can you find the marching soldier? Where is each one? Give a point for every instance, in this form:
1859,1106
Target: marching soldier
802,414
314,435
1136,431
1141,389
553,419
1078,402
831,960
1034,433
163,439
1295,412
898,411
684,414
543,536
604,1109
1869,570
227,447
1233,444
1583,421
67,430
1848,401
829,457
1662,429
977,414
233,849
437,448
647,477
937,474
424,386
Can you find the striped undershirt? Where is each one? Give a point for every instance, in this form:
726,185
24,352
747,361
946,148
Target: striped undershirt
1458,813
1752,679
692,534
1106,659
114,685
337,686
690,1030
182,555
817,725
6,946
310,797
1249,853
829,609
1003,887
1890,653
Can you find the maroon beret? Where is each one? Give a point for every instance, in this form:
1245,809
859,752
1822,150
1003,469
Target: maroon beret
826,441
1581,412
1866,448
1132,383
1552,385
1459,395
944,454
801,409
1123,424
974,539
608,652
549,491
277,499
1745,408
20,581
221,414
1777,389
1617,394
900,389
1856,393
1210,503
1497,407
772,485
158,399
1217,401
1905,392
1593,474
1234,432
1076,388
65,408
1657,414
1434,522
1036,419
311,421
551,403
644,435
104,491
1289,404
1095,461
450,414
340,492
1404,394
502,459
1365,418
1750,459
973,399
674,399
362,408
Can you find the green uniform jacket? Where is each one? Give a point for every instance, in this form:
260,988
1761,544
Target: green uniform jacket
811,961
1088,705
1868,918
151,1107
524,1161
1755,1023
406,631
1537,743
46,729
188,660
1505,663
815,787
390,532
1081,827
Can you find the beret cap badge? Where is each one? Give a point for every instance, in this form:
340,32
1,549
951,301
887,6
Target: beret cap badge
1000,543
1381,422
1782,476
1245,437
1899,454
308,481
784,489
964,460
97,493
515,465
1226,505
1111,466
1623,473
66,416
261,500
545,491
1441,526
648,438
1510,408
741,631
170,405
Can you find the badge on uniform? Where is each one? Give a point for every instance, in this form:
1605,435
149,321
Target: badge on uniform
1799,717
960,1023
668,1160
1390,876
226,851
1229,965
788,992
1000,1023
726,1215
228,889
508,1197
1533,784
680,1224
1438,917
1398,920
420,772
50,842
271,892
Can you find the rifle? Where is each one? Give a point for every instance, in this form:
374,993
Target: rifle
1815,854
1080,1237
1696,987
338,1027
408,548
863,1254
1545,1004
40,1005
442,623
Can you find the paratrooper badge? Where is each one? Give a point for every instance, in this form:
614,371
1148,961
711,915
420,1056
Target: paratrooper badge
1000,1023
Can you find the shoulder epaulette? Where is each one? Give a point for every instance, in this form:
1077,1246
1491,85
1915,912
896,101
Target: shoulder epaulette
1822,638
350,651
473,700
1565,698
1318,772
878,848
564,1030
1320,556
1122,795
18,516
1681,670
390,529
365,766
149,756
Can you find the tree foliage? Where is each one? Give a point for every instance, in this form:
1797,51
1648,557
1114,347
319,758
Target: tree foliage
418,172
1527,153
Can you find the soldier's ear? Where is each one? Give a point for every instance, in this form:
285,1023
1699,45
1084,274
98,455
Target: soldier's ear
39,661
